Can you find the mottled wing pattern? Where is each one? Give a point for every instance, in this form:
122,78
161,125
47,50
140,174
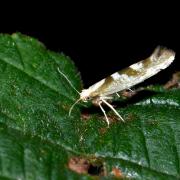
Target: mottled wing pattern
134,74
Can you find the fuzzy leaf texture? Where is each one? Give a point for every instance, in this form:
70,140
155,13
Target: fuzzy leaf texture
38,138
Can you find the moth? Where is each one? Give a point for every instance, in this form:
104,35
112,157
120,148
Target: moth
102,91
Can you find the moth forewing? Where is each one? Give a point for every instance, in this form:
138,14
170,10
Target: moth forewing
134,74
160,59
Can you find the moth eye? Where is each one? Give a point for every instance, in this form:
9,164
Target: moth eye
88,98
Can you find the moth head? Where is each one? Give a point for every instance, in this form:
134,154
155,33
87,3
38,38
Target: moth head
85,95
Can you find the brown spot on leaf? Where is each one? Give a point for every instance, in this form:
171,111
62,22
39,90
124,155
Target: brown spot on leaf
174,82
85,116
130,117
117,172
103,130
92,166
79,165
112,118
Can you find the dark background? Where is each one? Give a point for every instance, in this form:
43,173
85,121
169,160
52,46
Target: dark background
100,38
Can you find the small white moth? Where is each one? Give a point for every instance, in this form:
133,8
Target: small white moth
103,90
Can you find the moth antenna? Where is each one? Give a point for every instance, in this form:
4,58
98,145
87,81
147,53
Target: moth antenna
70,110
68,80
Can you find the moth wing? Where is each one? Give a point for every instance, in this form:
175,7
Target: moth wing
160,59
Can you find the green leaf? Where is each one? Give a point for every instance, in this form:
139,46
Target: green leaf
38,139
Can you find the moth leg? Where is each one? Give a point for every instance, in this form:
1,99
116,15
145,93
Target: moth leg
104,112
111,107
130,89
117,94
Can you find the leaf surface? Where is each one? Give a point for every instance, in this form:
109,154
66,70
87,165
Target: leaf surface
38,138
